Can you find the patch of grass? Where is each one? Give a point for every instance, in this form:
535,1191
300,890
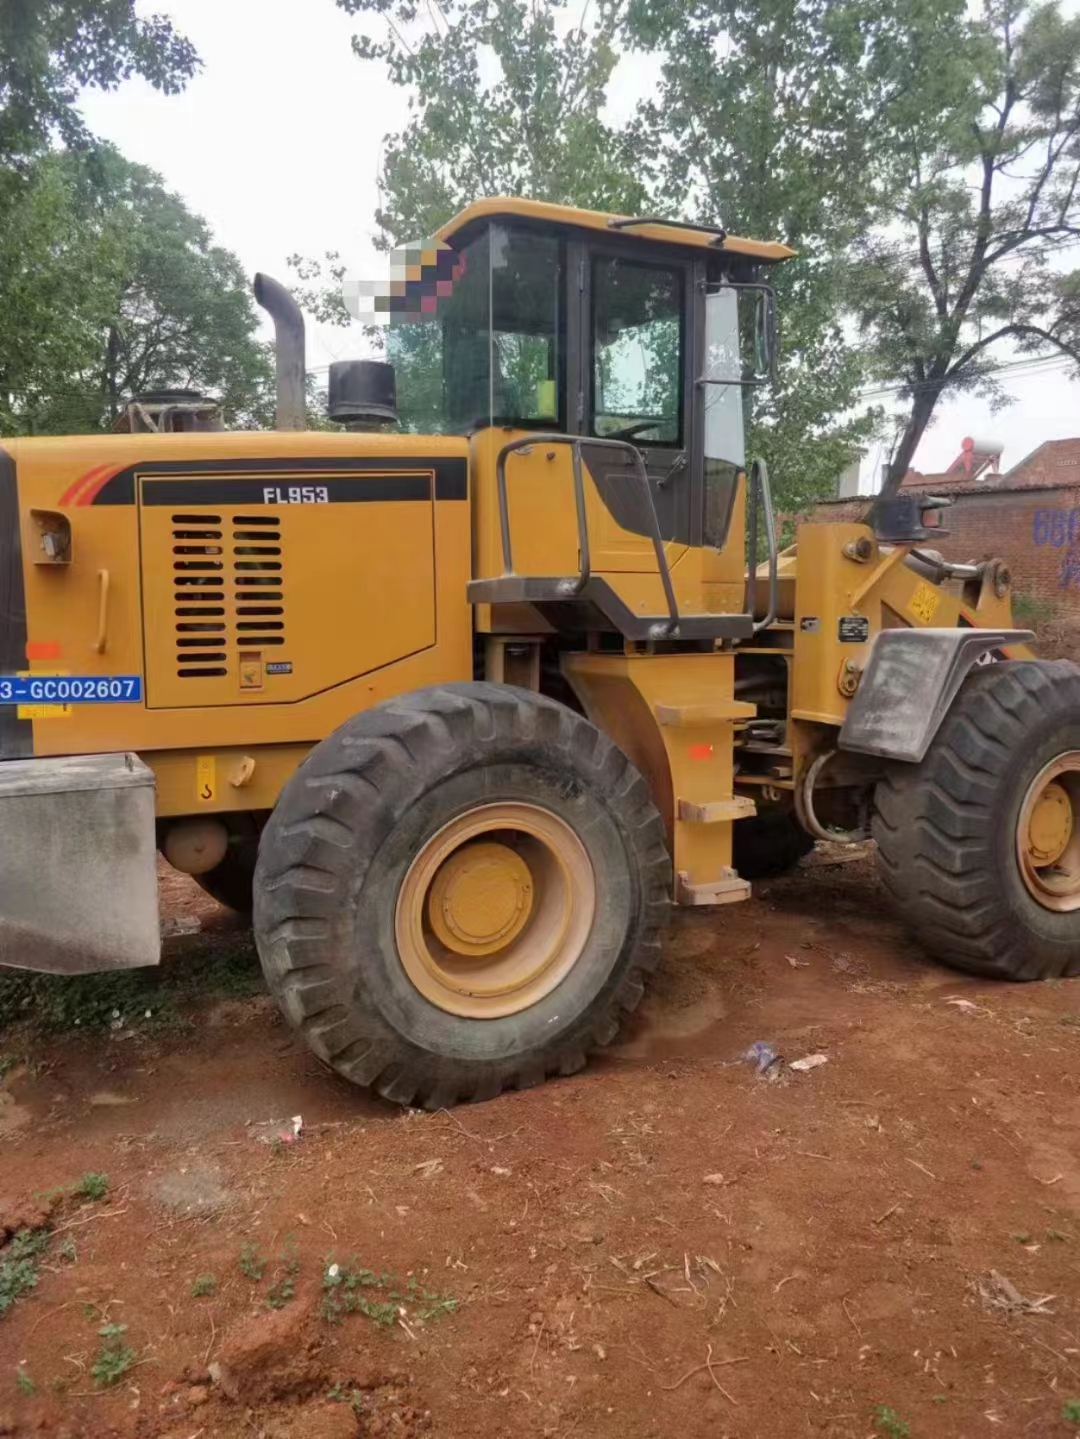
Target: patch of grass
1070,1411
92,1186
203,1285
23,1383
889,1423
19,1263
114,1357
7,1064
343,1293
1022,1238
252,1264
338,1394
284,1287
1035,611
1055,1236
213,964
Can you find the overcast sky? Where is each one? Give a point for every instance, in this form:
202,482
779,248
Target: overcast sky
277,145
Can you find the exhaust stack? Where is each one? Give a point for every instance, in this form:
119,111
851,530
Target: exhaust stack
289,349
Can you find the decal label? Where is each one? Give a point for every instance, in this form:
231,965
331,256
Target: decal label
853,630
206,778
296,495
924,602
279,667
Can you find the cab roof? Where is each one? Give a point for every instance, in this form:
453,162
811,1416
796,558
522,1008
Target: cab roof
661,232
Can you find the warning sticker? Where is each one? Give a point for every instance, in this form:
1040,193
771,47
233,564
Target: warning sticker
924,602
853,629
206,778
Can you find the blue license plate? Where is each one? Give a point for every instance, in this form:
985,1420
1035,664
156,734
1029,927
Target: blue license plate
70,689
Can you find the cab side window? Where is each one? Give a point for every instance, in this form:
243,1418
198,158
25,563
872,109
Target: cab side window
637,352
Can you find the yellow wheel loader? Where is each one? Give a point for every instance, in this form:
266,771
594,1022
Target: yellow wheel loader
462,697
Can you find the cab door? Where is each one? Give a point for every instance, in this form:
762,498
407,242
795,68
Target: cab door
636,381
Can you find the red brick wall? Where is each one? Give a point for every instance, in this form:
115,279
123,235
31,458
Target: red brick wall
1036,531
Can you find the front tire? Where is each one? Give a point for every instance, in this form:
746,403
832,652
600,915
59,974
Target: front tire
459,891
980,843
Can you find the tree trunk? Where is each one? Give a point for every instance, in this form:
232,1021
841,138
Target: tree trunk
921,411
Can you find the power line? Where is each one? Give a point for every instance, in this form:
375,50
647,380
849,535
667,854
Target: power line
1039,365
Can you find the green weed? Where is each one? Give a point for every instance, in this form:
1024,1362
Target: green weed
338,1394
1070,1411
151,999
202,1285
252,1264
889,1423
92,1186
19,1263
343,1293
284,1287
114,1357
1037,612
23,1383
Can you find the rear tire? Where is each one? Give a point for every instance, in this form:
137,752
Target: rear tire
339,857
951,831
768,844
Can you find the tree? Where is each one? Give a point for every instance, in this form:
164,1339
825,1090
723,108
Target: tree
534,126
984,156
763,121
161,306
52,49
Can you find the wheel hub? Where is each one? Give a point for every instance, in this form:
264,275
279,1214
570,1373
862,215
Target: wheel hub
495,910
1048,837
480,898
1050,826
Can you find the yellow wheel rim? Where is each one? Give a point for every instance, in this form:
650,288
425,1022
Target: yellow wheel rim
1048,834
495,910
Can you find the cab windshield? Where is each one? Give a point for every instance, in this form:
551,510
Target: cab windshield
494,353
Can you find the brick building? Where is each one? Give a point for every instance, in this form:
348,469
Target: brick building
1028,516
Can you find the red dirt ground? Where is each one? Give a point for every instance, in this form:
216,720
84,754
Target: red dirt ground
830,1241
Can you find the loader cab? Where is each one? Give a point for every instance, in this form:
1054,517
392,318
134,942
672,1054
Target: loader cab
541,318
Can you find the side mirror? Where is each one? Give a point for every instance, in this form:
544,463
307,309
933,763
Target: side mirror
764,334
740,331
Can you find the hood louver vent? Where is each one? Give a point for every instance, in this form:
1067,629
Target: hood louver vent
228,590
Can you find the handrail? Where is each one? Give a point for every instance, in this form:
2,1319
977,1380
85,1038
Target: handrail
759,483
625,223
526,442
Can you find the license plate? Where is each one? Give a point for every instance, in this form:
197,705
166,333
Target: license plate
70,689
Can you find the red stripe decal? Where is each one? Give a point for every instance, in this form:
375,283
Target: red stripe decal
90,493
68,497
43,649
